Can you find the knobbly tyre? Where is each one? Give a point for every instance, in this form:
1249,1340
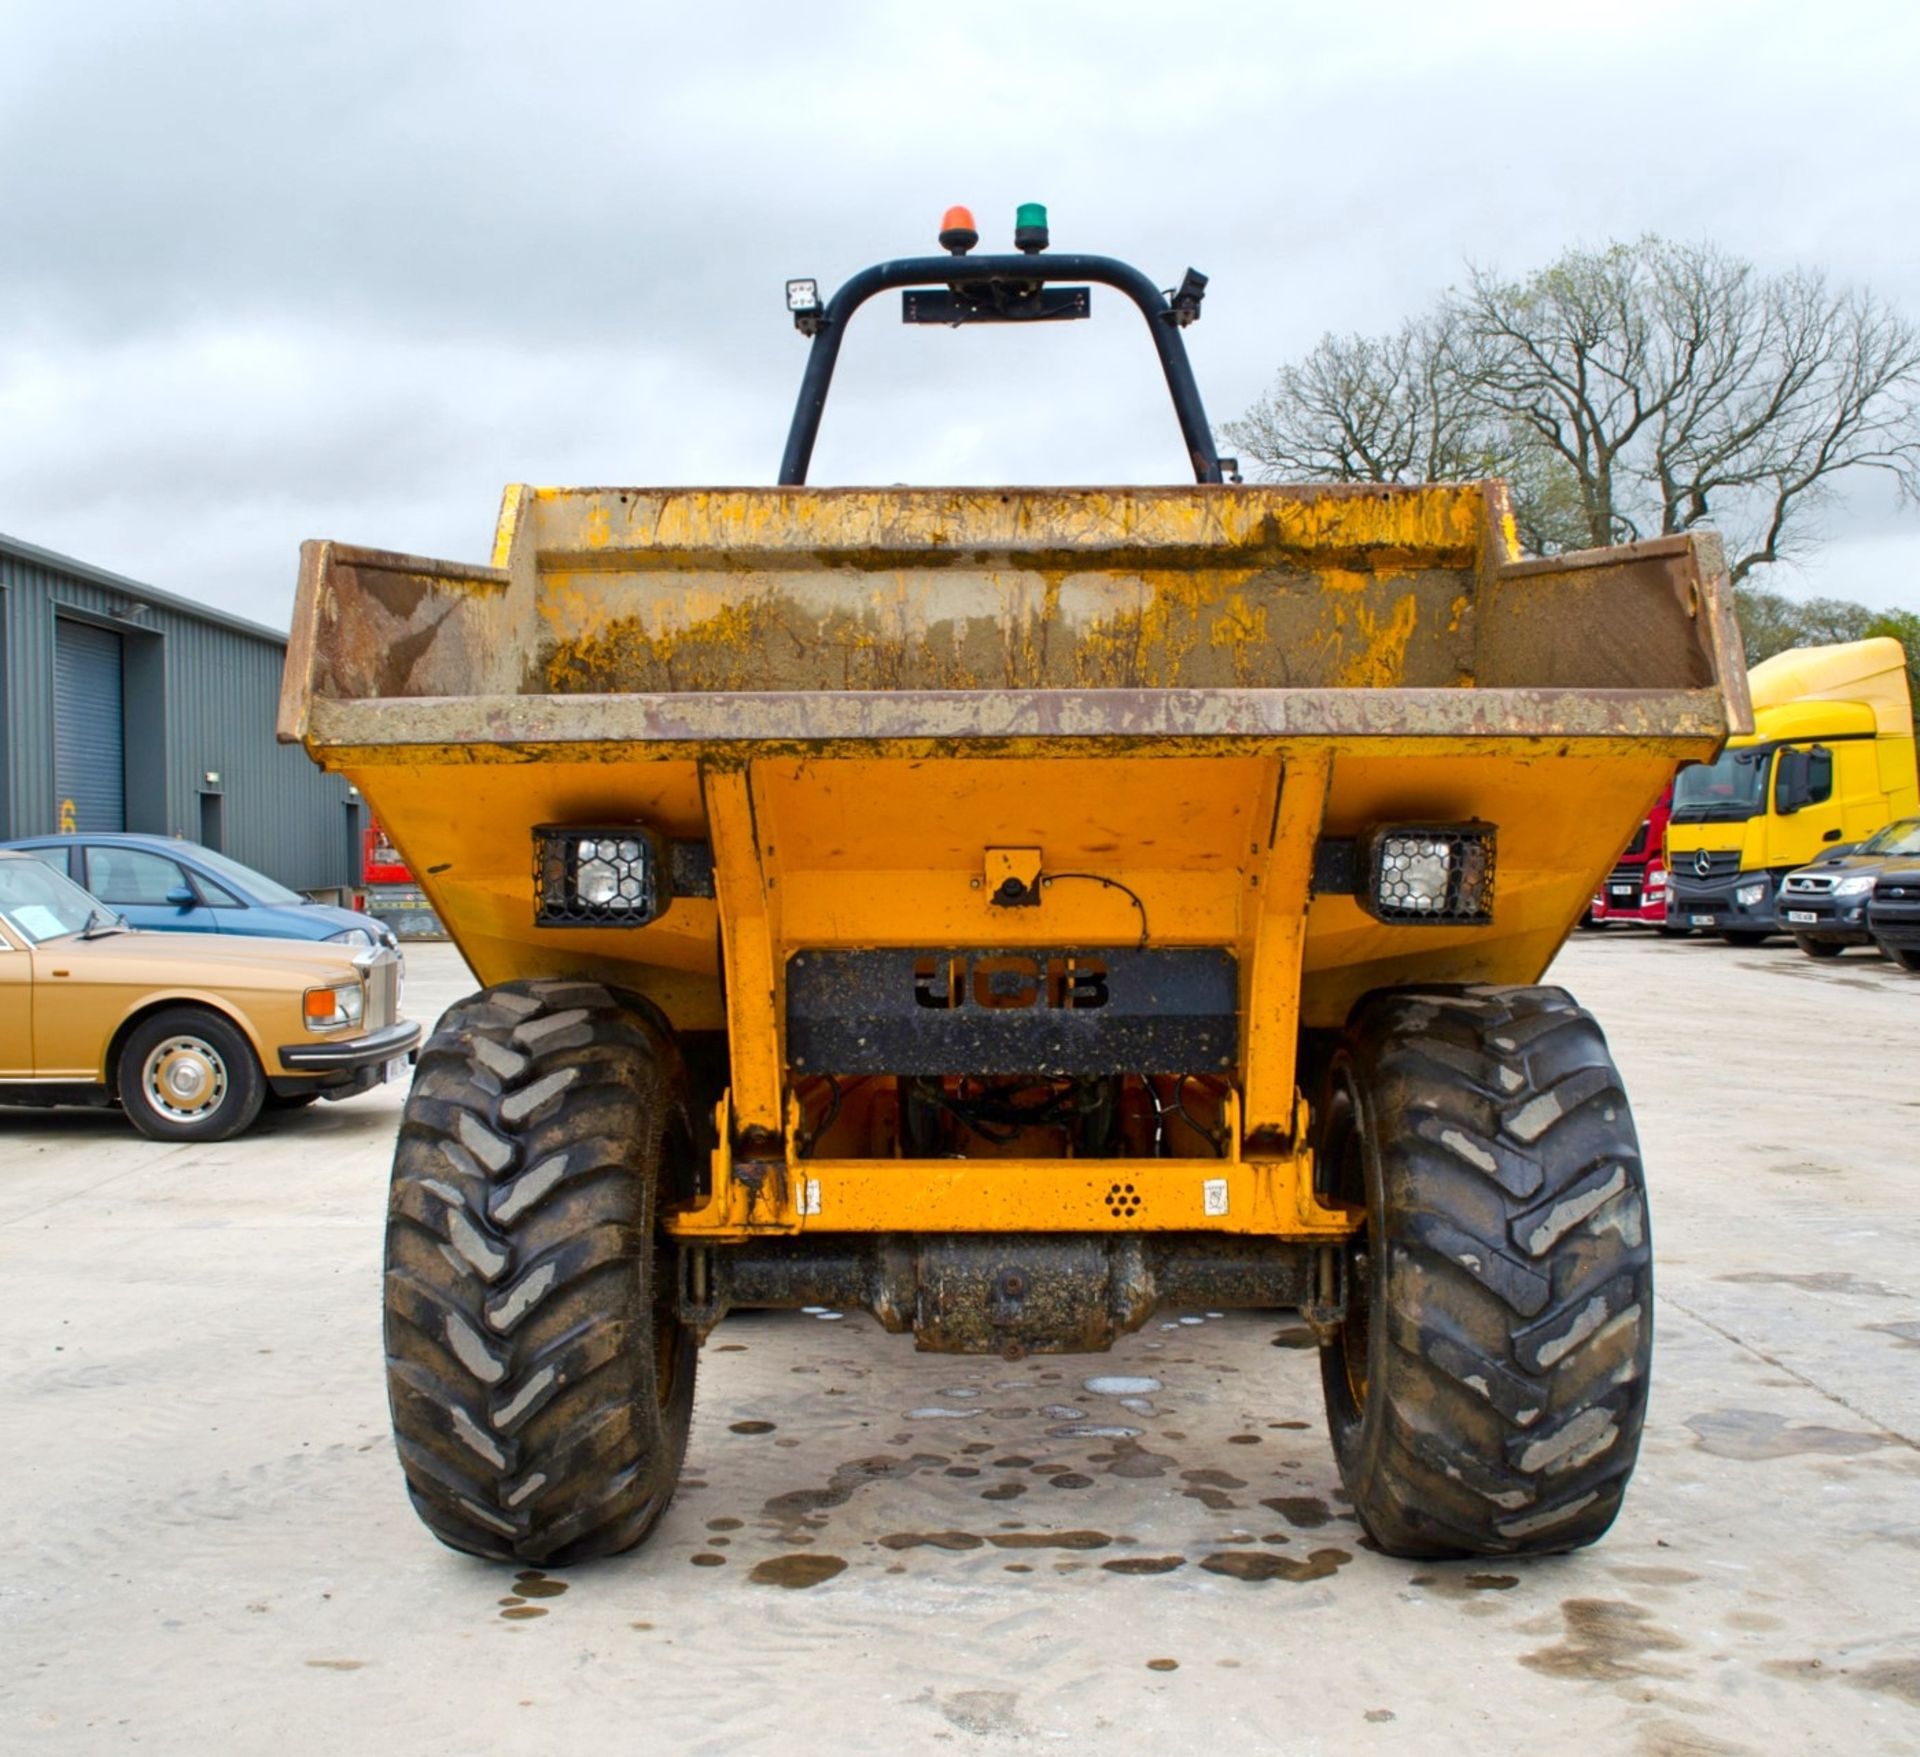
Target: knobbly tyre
1012,911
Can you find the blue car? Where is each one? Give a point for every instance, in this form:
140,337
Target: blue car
180,887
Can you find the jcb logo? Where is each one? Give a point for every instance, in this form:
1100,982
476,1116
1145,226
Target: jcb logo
1008,982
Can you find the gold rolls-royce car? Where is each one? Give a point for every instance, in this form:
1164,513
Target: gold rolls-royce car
190,1034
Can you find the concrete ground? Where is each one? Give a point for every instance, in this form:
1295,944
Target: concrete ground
207,1547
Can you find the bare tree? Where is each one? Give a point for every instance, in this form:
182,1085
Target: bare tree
1643,388
1372,409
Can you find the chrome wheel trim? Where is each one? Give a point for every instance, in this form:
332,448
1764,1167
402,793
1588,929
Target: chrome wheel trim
185,1078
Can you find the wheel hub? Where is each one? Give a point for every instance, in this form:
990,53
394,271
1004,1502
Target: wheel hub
184,1077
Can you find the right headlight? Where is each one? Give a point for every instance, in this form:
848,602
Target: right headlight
338,1004
1857,886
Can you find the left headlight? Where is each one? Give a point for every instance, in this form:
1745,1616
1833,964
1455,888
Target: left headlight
351,936
598,876
1750,896
338,1004
1858,886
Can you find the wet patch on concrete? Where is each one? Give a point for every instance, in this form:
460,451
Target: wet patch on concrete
1000,1540
1653,1574
1132,1461
1303,1512
797,1572
984,1712
1607,1640
849,1477
1890,1677
1295,1336
1753,1435
1674,1738
1460,1583
1820,1281
1259,1565
1214,1500
1908,1335
1899,1678
1213,1479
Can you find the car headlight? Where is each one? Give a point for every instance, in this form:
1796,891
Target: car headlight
1747,896
598,876
1857,886
327,1009
351,936
1438,873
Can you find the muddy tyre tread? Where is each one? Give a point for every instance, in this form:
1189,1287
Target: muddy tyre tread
1508,1379
540,1394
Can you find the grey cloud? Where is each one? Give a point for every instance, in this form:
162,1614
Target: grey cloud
287,270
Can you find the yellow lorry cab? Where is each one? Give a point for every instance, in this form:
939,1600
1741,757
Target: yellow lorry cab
1829,761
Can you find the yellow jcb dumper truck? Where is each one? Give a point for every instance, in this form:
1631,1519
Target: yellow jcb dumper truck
1012,911
1830,760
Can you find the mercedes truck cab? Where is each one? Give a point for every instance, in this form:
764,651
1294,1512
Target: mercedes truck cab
1830,760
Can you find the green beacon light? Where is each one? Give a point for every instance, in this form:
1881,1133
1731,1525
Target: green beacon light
1030,228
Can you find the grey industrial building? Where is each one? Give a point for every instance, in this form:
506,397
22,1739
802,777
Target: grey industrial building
127,708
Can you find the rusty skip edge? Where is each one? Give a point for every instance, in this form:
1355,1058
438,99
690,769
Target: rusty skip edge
426,595
776,721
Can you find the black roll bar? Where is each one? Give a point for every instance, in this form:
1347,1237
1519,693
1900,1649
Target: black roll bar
966,272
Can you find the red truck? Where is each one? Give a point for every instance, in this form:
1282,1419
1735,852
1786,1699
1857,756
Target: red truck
391,894
1636,889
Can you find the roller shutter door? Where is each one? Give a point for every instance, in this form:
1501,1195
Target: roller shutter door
89,761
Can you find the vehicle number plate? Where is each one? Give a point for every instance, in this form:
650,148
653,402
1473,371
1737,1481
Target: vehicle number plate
1622,891
1699,920
394,1070
1806,915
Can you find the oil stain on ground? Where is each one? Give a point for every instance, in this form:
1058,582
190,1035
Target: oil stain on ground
797,1572
1259,1565
533,1583
1144,1564
1756,1434
1607,1640
1906,1334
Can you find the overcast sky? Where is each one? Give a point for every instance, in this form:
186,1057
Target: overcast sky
274,271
